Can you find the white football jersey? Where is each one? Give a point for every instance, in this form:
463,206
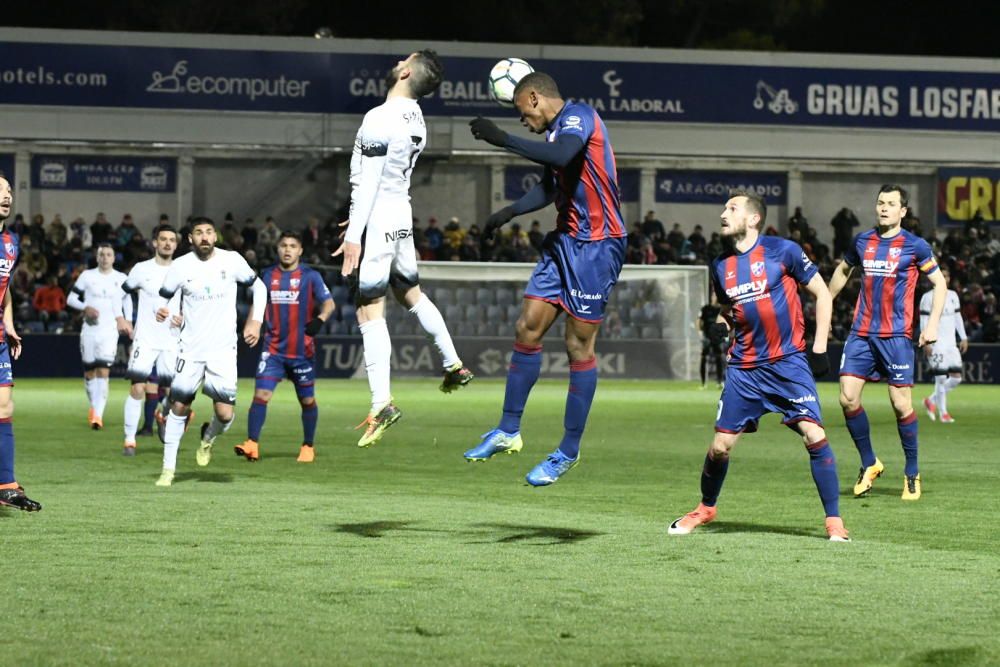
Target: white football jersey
208,301
952,327
387,146
146,278
102,291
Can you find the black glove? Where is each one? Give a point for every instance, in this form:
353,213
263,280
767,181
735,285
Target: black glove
314,325
486,130
718,332
496,221
819,364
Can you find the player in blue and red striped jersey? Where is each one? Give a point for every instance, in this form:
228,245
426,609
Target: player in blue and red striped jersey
580,262
758,288
298,303
11,493
880,344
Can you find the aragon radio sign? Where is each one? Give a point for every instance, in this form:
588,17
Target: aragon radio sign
90,172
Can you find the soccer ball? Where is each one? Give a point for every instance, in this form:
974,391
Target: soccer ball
504,77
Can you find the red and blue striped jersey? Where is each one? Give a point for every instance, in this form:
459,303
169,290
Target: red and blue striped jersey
8,258
761,286
293,298
587,198
889,273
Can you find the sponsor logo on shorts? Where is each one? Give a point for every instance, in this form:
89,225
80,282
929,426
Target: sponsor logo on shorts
808,398
398,235
585,296
899,367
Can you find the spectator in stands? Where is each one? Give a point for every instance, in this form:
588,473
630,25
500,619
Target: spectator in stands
469,250
676,237
434,236
137,250
101,230
418,232
126,230
267,241
536,236
249,233
843,230
80,231
453,234
50,302
653,228
18,226
36,232
714,247
312,239
34,261
698,242
798,221
57,232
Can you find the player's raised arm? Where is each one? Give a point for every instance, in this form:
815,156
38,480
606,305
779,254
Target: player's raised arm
558,153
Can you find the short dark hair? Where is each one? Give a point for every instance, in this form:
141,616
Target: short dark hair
891,187
755,203
291,234
202,220
163,228
103,244
540,81
427,73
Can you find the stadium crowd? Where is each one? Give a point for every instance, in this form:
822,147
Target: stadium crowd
54,254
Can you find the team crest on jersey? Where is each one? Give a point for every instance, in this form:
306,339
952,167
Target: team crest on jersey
894,252
294,282
9,247
757,268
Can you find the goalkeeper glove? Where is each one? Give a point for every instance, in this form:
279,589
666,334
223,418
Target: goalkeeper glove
819,364
496,221
718,332
314,325
487,130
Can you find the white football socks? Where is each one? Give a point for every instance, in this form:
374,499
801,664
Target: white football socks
133,410
433,324
100,391
172,440
217,427
378,352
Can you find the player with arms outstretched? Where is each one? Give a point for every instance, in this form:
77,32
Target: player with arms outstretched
387,146
580,261
757,284
945,356
880,344
98,293
207,279
154,343
299,303
11,493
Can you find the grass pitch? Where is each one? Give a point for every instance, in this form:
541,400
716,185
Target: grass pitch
406,554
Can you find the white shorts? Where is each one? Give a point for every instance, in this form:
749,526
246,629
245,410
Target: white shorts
388,256
144,358
98,348
945,359
216,378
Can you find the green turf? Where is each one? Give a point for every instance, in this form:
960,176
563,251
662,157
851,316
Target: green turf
405,554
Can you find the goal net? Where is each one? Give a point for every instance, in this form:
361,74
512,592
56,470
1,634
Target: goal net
649,330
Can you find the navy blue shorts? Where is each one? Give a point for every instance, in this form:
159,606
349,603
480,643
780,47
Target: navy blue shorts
785,386
273,368
6,372
875,359
577,275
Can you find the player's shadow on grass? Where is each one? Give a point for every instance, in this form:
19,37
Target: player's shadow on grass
199,476
537,535
371,528
739,527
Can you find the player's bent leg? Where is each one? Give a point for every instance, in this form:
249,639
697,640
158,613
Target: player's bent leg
907,426
823,464
456,375
310,418
250,448
131,414
222,419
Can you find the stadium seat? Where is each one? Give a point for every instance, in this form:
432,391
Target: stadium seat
464,296
628,332
465,329
495,314
475,313
649,332
348,314
485,329
341,295
443,297
505,296
485,297
453,313
513,312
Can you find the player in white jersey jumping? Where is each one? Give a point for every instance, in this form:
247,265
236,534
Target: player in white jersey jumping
154,344
207,279
945,356
391,138
98,293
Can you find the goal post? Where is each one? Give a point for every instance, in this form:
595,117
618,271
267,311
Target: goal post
649,329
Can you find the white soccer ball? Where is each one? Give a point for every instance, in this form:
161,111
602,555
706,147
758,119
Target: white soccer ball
504,77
